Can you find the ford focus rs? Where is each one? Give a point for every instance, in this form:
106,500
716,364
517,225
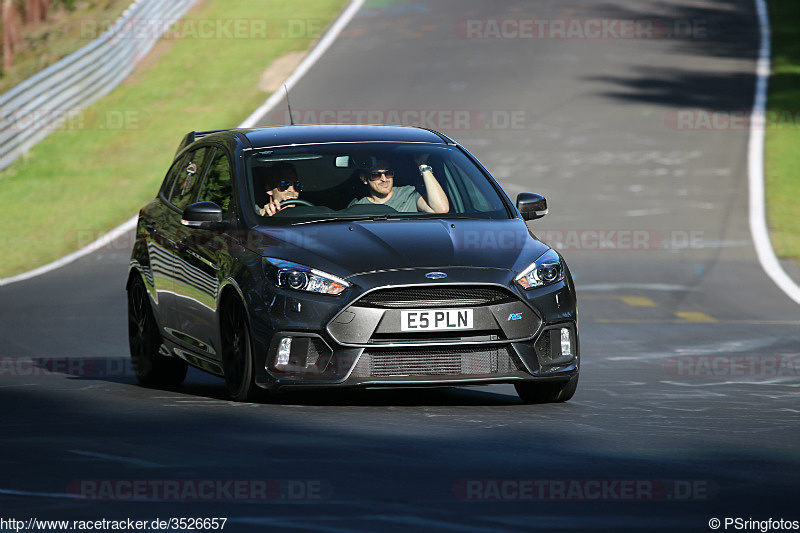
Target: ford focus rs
346,256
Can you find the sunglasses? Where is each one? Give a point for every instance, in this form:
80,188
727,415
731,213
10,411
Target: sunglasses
375,175
284,185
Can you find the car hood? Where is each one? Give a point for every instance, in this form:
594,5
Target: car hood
348,249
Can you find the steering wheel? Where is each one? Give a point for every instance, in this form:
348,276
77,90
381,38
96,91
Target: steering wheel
296,201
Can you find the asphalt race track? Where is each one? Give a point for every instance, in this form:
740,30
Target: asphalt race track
687,408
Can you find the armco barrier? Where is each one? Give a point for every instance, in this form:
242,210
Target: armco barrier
34,108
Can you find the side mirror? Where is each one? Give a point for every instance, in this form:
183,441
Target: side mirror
531,205
203,215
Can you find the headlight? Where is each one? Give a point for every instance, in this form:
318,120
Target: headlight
546,270
290,275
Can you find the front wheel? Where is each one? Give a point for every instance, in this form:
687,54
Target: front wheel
237,355
151,368
547,391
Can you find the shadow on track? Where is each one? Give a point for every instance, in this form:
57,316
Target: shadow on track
719,29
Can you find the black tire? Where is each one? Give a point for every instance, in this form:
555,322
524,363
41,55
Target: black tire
144,339
547,391
237,355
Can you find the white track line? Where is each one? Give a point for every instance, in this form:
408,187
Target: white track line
755,154
74,256
323,45
315,54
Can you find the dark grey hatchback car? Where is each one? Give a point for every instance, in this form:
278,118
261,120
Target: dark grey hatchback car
337,256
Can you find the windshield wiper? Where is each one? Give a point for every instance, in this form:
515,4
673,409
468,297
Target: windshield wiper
380,218
374,218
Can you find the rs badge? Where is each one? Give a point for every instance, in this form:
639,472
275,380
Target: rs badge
515,316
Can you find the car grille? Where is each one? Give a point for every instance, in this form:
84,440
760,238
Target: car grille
421,297
439,361
376,317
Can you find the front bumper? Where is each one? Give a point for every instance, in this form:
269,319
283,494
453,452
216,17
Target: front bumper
515,337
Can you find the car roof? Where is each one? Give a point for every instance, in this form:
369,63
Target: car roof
313,134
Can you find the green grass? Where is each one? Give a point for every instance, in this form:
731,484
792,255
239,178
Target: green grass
782,149
97,172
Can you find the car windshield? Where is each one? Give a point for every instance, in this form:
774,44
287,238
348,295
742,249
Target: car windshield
368,180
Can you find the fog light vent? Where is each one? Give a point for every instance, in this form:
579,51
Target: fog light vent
284,349
300,355
566,343
555,346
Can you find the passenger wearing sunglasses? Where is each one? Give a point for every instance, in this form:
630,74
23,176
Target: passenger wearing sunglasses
381,190
282,184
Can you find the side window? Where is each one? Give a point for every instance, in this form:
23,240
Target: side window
172,174
217,187
451,190
190,173
473,197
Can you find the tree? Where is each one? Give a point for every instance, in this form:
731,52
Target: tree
36,11
10,33
33,11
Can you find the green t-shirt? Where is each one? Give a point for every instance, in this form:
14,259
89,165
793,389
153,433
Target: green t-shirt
404,199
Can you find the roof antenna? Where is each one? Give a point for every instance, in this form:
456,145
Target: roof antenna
288,104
